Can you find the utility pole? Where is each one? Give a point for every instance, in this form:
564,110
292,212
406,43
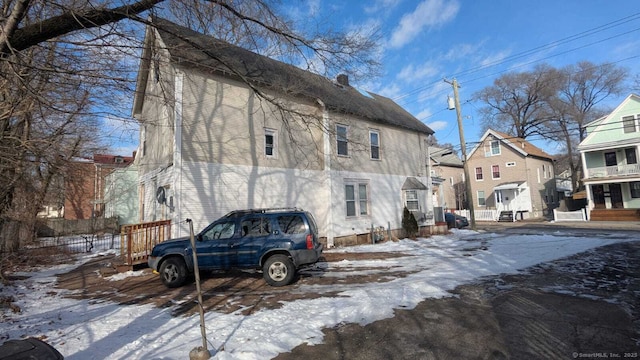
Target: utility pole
463,148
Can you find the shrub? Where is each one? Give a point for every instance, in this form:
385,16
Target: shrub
409,224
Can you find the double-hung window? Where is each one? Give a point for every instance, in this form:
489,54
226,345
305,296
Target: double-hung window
342,140
357,198
270,143
629,124
411,197
481,199
479,173
492,149
495,171
374,140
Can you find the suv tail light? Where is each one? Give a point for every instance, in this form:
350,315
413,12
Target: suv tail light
309,241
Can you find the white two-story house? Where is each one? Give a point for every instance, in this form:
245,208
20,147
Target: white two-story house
610,163
223,128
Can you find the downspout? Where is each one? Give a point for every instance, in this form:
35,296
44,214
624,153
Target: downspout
177,155
327,171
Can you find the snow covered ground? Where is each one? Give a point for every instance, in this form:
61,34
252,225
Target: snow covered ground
90,329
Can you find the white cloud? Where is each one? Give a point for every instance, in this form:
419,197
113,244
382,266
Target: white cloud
429,13
411,73
493,59
380,5
438,125
424,114
438,92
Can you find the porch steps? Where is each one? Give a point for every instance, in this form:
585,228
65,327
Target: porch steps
615,215
506,216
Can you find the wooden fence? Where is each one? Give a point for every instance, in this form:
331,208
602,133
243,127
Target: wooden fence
137,240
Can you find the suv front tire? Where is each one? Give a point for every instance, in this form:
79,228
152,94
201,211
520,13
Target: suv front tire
173,272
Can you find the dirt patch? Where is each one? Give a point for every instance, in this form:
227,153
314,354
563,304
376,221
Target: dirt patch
222,291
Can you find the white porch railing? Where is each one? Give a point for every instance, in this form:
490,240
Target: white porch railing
633,169
578,215
480,215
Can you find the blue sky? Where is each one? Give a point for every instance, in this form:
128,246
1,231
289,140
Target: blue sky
475,42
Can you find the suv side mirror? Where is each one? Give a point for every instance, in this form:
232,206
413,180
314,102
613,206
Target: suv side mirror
199,237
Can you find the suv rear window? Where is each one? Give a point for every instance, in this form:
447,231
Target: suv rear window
258,226
291,224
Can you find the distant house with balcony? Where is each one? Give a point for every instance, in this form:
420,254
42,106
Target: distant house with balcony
610,163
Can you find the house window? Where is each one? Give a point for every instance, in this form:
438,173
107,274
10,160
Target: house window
481,200
629,124
610,159
374,140
495,171
411,197
544,171
492,149
341,136
635,189
479,173
357,199
270,143
631,156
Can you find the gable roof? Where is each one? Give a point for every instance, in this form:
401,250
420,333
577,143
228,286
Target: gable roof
444,156
191,49
519,145
612,121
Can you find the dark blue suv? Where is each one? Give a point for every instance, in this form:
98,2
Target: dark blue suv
278,241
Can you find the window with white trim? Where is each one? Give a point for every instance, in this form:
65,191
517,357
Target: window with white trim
495,171
342,140
479,173
481,199
411,200
270,143
492,149
357,198
374,141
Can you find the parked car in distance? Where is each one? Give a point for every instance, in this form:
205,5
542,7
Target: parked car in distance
277,241
455,220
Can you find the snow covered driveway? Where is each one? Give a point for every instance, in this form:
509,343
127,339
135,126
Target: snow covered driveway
136,318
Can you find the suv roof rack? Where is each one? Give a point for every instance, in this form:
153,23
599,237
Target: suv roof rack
237,213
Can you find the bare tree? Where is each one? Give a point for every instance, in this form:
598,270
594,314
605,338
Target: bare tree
581,88
516,102
67,64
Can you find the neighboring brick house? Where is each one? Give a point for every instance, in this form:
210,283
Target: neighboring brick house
209,144
447,174
512,177
610,164
84,185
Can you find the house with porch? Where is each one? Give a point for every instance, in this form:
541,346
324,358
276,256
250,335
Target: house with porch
610,163
447,175
224,128
511,179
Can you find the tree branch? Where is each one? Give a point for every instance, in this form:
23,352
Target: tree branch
66,23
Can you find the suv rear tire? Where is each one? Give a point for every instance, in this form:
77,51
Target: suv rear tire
278,270
173,272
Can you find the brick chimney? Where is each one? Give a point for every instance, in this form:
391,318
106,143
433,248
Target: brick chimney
343,79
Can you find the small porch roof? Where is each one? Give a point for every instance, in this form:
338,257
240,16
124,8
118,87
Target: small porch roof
509,186
413,184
